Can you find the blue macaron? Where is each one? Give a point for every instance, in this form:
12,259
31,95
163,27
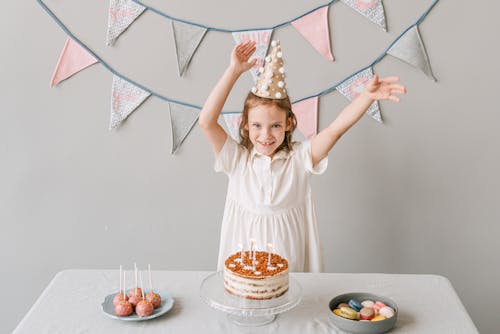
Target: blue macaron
355,305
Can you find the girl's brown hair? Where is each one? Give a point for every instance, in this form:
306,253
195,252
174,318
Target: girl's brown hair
284,104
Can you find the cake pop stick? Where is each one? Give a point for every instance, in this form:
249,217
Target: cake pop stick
124,285
142,286
120,291
135,272
150,280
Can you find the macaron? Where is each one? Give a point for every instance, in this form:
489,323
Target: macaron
367,303
337,312
386,311
342,305
348,313
377,306
355,305
378,318
366,313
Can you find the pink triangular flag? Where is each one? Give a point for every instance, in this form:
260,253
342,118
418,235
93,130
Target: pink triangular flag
306,113
73,59
314,27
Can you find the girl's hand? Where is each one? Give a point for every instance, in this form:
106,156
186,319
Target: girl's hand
384,88
240,55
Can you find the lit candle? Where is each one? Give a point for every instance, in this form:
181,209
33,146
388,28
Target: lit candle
240,245
269,266
253,259
270,248
252,241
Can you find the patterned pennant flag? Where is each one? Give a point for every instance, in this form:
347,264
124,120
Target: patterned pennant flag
353,86
410,49
371,9
72,60
187,38
125,98
261,38
306,113
314,27
233,125
121,15
182,120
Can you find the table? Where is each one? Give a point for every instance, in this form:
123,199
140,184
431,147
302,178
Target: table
71,304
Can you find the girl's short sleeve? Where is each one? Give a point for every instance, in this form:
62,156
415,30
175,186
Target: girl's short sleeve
229,156
304,151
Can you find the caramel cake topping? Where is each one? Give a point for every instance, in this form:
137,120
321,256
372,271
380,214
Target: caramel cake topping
245,269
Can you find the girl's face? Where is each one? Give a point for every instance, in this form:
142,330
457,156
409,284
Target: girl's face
266,128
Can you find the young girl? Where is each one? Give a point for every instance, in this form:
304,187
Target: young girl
269,195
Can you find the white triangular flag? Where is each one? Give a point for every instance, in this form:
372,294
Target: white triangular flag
371,9
233,125
353,86
261,38
121,14
187,38
182,120
410,49
125,98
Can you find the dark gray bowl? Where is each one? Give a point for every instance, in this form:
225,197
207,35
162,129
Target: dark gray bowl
362,327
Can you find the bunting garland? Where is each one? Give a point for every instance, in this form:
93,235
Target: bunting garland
262,39
314,28
306,112
410,49
125,98
128,95
187,39
371,9
233,125
182,120
313,25
353,86
72,60
121,15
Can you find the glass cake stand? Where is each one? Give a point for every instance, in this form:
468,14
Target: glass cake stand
247,312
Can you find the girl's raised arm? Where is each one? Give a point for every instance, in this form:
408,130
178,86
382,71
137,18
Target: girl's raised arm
215,101
375,90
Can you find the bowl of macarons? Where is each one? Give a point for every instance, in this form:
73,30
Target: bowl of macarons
363,313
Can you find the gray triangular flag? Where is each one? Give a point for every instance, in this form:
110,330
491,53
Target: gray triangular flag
125,98
121,14
187,38
353,86
182,120
371,9
410,49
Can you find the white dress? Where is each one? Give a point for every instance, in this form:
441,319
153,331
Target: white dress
269,199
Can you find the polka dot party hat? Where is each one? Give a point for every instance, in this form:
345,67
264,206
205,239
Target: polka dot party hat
271,80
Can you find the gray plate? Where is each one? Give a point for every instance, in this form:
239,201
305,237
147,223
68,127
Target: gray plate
167,302
362,327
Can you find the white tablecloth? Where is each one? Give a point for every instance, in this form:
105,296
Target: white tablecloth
71,303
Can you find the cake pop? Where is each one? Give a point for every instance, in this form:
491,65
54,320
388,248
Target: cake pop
121,293
144,308
123,308
152,297
135,291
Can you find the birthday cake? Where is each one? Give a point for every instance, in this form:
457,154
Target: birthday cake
256,275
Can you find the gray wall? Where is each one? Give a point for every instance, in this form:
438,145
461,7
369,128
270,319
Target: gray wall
415,195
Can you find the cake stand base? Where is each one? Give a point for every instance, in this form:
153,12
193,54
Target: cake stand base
254,321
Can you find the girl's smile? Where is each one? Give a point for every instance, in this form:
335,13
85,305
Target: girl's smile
267,125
